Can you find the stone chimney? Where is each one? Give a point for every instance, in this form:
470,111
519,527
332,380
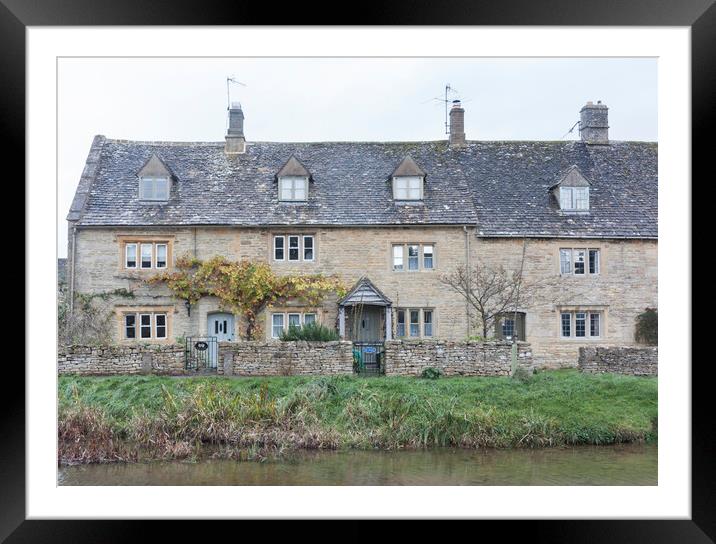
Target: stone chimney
457,125
594,123
235,141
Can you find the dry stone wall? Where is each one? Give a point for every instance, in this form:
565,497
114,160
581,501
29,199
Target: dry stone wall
411,357
121,360
637,361
285,358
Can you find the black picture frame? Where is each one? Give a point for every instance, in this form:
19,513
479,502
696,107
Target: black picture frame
700,15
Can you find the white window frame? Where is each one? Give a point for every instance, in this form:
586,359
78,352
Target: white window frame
410,322
597,261
432,257
315,317
397,323
574,198
413,258
313,248
141,326
293,182
283,248
293,314
297,248
572,263
587,325
273,325
156,326
141,256
405,187
156,255
154,183
568,261
401,266
136,255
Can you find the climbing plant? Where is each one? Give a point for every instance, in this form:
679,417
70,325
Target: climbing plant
647,327
245,286
90,321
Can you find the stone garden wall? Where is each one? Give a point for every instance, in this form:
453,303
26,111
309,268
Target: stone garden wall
638,361
410,357
109,360
402,358
285,358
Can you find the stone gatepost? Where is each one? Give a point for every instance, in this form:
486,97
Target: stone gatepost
228,363
146,363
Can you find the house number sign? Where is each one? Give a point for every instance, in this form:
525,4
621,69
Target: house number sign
201,346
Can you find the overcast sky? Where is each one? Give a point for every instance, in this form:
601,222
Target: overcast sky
340,100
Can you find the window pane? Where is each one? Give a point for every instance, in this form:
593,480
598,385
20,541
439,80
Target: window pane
146,255
397,257
580,324
401,323
565,198
299,192
594,261
161,255
145,326
579,255
130,326
276,325
413,257
278,242
414,323
293,248
508,328
581,198
593,324
427,322
161,189
294,319
131,261
413,194
160,321
308,248
427,256
146,189
566,325
565,261
309,318
286,191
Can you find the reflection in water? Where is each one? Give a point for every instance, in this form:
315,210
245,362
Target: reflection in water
628,464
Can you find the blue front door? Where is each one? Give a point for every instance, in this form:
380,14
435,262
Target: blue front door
220,326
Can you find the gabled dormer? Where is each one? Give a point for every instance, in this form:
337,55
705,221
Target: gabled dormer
572,191
293,178
408,181
155,180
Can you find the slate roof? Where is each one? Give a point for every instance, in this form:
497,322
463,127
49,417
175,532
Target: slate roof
502,187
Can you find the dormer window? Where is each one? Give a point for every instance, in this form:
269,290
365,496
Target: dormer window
155,180
408,188
408,181
293,188
154,188
293,178
574,198
572,191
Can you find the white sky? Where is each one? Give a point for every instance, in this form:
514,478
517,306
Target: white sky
340,99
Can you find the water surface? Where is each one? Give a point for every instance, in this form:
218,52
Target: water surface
628,464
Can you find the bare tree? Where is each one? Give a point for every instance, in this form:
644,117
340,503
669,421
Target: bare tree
489,291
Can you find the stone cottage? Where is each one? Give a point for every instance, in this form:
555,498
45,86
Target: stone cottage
389,218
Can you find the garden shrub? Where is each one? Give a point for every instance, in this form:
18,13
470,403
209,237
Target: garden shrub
647,327
431,373
311,332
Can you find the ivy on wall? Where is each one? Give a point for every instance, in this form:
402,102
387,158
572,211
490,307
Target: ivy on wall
246,287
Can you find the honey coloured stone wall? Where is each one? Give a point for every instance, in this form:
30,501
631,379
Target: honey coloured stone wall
411,357
121,360
637,361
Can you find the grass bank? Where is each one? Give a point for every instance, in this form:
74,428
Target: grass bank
129,418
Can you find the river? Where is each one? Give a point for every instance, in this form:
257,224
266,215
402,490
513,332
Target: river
625,464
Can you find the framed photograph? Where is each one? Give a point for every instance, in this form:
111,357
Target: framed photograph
405,271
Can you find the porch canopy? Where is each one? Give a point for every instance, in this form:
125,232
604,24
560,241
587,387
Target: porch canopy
365,293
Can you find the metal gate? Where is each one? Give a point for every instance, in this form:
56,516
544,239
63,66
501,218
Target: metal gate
200,353
369,358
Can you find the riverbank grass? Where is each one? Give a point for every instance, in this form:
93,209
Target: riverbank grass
127,417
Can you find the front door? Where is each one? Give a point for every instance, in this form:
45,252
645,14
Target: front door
220,326
367,321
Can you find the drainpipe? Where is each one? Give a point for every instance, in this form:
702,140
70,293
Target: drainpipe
467,270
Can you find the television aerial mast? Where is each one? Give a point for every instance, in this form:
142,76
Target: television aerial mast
229,80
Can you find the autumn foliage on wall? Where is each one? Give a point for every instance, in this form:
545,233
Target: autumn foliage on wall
246,287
